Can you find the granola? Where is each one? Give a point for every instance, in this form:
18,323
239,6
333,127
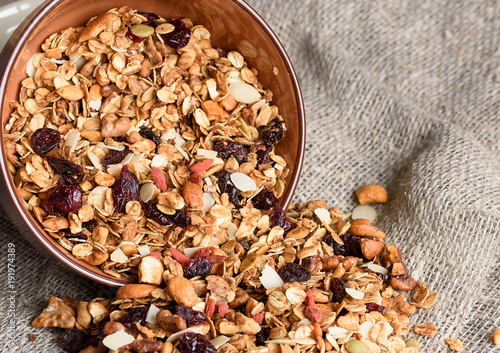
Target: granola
134,134
294,282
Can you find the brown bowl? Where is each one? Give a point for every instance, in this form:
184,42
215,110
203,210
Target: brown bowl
234,26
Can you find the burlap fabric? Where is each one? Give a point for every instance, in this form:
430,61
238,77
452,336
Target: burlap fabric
401,93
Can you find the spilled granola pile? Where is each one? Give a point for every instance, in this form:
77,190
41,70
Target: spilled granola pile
312,279
133,134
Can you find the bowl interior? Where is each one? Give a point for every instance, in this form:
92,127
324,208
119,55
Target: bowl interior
233,26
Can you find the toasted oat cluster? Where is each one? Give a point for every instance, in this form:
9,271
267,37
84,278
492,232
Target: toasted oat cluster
133,134
309,280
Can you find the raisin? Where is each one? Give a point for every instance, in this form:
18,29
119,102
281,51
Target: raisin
115,157
353,244
63,199
135,315
337,287
192,317
278,218
338,249
273,132
181,218
384,278
262,152
152,211
189,120
62,166
374,307
228,149
293,272
67,180
151,18
147,133
198,267
73,341
90,225
100,327
179,37
125,189
192,342
225,187
77,236
262,336
265,200
44,140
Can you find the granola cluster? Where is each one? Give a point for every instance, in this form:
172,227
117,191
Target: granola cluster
312,279
133,134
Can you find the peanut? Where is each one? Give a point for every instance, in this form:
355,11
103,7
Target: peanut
55,224
130,291
372,193
70,92
182,291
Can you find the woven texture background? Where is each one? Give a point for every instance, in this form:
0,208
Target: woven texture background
402,93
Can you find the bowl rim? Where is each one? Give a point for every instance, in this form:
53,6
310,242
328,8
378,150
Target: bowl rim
11,50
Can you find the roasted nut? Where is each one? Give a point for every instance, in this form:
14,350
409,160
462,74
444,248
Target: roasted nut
169,322
130,291
371,248
96,258
83,317
145,345
182,291
98,311
112,126
240,299
97,25
55,224
111,327
496,337
57,314
349,262
330,263
425,329
371,193
193,195
362,228
404,284
150,270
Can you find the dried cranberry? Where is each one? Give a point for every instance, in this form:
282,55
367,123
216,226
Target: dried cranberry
147,133
181,219
44,140
135,315
79,236
192,342
63,199
62,166
115,157
374,307
384,278
337,287
125,189
225,187
262,336
179,37
67,180
150,18
73,341
243,285
152,211
192,317
338,249
134,38
265,200
228,149
198,267
189,120
262,151
100,327
273,132
278,218
353,244
293,272
90,225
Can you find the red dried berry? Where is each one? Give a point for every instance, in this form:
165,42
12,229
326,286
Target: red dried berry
125,189
62,166
337,287
259,318
195,178
265,200
159,178
273,132
183,259
135,315
278,218
228,149
192,317
293,272
202,166
222,308
313,314
147,133
151,211
150,18
198,267
63,199
210,310
179,37
374,307
192,342
310,298
133,37
115,157
262,152
74,341
44,140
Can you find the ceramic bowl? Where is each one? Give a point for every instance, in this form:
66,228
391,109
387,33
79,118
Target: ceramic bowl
233,25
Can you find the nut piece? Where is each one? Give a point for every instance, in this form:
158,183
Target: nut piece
371,248
130,291
182,291
372,193
362,228
150,270
454,344
496,337
193,195
426,329
404,284
57,314
97,25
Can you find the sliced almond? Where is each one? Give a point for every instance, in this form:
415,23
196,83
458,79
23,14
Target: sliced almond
244,93
243,182
142,30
